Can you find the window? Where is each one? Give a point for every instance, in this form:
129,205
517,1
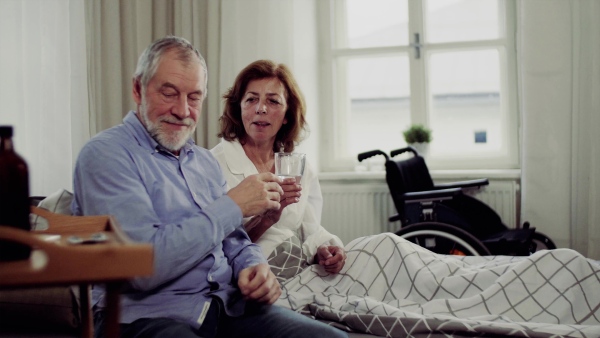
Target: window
446,64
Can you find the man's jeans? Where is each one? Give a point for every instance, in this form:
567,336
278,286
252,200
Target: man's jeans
258,321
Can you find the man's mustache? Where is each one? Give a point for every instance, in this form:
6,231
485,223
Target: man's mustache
187,121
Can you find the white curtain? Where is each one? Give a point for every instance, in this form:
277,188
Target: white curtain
43,86
560,85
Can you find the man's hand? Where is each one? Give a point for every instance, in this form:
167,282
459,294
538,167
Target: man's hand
257,194
258,283
331,257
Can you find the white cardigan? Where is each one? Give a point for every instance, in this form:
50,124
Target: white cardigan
302,219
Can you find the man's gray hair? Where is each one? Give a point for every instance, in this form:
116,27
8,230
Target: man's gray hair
150,58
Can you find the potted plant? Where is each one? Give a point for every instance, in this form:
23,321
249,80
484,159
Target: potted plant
418,137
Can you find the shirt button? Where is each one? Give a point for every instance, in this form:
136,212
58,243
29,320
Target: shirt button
210,278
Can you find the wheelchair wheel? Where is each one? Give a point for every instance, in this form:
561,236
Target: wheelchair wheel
542,242
443,239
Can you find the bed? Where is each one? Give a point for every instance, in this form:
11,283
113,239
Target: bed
390,287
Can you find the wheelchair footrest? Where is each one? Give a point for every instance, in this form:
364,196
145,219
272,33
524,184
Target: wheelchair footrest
514,242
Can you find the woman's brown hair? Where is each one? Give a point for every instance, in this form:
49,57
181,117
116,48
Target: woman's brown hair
290,133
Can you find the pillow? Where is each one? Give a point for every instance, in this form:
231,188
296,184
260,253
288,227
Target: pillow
50,309
59,202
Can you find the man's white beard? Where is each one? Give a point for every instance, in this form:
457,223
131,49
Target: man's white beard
172,141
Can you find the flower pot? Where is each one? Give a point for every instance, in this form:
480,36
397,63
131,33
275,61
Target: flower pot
421,147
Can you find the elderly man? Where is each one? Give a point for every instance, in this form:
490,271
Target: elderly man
209,280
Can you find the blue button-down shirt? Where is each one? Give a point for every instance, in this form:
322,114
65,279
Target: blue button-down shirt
179,205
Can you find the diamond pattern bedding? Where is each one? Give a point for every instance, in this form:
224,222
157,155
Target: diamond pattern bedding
393,288
288,259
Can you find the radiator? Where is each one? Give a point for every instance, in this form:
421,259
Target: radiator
353,210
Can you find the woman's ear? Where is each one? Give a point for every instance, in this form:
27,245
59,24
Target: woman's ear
285,118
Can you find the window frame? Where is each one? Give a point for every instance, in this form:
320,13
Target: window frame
333,127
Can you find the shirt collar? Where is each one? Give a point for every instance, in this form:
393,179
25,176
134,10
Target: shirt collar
237,161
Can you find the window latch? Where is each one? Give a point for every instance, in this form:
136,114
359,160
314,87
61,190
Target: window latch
417,46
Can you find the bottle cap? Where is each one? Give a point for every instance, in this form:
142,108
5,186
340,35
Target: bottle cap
6,131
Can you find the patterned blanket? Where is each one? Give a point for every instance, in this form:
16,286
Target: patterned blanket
393,288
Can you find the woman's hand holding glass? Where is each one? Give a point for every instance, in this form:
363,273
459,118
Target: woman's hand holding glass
290,168
291,194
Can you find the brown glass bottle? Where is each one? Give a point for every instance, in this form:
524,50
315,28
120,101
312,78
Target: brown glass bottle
14,195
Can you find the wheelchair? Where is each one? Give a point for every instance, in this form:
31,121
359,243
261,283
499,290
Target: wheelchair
446,220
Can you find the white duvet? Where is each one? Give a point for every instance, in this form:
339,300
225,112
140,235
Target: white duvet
391,287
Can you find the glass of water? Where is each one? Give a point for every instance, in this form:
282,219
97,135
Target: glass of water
290,165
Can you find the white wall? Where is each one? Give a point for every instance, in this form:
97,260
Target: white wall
559,60
545,71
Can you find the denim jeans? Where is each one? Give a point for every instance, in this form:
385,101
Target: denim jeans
265,321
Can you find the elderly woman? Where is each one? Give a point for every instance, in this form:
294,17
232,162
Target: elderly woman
265,113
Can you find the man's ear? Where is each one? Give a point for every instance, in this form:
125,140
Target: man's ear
137,91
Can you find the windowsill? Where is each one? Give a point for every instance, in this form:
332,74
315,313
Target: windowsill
496,174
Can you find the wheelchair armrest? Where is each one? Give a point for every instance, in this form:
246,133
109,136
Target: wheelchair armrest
394,218
463,184
431,195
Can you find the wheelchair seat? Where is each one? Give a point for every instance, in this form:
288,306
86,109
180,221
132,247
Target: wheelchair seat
442,218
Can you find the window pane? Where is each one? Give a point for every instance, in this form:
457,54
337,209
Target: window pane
461,20
375,23
379,102
466,114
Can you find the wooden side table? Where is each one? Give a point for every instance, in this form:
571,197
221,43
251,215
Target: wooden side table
78,250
